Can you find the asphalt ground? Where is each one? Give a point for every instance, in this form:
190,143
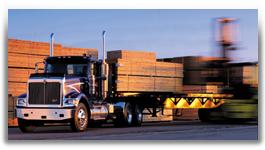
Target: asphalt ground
176,130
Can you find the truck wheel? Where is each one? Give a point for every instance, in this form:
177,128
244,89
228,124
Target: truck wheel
137,116
126,118
80,120
25,125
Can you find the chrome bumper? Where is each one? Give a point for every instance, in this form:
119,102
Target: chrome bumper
45,113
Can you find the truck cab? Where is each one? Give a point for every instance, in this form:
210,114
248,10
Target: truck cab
69,90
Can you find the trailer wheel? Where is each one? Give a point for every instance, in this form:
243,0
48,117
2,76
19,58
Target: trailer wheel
203,115
25,125
80,120
137,116
126,118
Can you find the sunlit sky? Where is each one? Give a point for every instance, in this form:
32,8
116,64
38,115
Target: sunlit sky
169,33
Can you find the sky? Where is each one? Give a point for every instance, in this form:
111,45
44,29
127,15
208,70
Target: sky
168,32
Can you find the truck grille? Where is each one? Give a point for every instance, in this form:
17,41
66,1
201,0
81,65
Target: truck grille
44,93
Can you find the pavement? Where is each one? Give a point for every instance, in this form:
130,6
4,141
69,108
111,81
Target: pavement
175,130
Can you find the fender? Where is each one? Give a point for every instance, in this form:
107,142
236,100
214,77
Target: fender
78,97
24,95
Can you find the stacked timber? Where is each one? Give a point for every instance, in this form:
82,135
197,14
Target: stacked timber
22,56
12,120
138,71
244,73
201,74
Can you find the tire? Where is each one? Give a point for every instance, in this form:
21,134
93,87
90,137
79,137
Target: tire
203,115
81,116
126,118
26,126
137,116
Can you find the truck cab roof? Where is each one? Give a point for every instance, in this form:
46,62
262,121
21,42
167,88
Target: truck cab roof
70,59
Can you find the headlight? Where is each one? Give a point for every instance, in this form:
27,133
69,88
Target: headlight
70,102
21,102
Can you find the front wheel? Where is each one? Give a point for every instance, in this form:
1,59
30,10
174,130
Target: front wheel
80,120
26,126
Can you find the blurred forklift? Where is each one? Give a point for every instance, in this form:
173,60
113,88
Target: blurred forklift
219,75
238,79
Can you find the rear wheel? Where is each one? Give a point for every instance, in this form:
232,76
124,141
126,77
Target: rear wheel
137,116
203,115
126,118
80,120
26,125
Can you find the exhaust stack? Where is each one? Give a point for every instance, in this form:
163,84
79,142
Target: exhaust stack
51,44
104,69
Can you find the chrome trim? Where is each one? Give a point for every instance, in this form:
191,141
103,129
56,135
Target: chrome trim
36,80
51,114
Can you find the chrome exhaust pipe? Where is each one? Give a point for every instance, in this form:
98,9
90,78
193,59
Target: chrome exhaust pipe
103,46
51,44
104,68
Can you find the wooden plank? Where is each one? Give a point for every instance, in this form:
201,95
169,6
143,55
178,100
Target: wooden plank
132,55
24,60
15,88
200,89
43,48
19,75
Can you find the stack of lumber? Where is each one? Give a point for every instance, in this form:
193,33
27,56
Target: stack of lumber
138,71
198,69
244,73
12,120
22,56
162,115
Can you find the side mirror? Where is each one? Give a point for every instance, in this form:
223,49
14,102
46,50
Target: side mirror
37,67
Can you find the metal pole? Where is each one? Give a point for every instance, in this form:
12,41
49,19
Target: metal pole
51,44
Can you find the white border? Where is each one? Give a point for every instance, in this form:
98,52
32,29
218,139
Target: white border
122,4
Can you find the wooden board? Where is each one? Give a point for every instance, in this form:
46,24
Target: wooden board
200,89
16,88
43,48
19,75
148,84
24,60
132,55
149,68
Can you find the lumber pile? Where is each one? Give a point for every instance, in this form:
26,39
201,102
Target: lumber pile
12,120
22,56
138,71
244,73
201,74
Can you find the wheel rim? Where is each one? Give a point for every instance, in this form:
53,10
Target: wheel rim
82,117
139,116
129,117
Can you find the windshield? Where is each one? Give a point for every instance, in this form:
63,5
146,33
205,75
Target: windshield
68,69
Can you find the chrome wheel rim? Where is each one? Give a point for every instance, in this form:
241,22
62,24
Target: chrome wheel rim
129,118
82,117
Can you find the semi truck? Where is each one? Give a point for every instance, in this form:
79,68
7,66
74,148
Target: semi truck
77,90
